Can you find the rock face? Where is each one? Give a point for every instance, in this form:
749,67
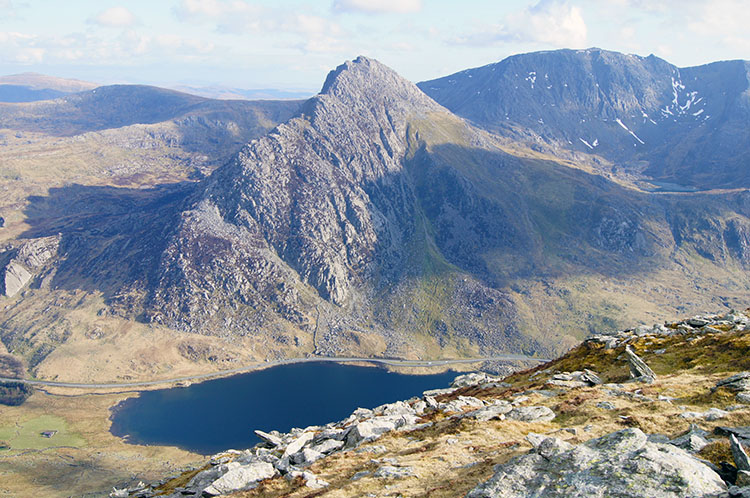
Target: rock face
333,175
632,110
21,264
321,211
622,464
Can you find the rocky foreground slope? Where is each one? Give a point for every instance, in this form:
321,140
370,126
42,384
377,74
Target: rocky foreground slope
659,411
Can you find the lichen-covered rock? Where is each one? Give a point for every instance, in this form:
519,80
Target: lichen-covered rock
241,477
495,410
710,415
638,368
738,382
531,414
622,464
392,472
473,379
586,378
461,403
369,430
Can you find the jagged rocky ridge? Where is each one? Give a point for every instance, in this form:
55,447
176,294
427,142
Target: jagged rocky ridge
685,126
377,222
323,207
565,461
374,191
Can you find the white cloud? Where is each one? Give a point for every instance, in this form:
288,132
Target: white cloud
550,22
128,48
310,32
318,34
7,10
229,16
378,6
114,17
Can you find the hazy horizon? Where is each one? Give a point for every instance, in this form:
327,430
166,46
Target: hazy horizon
289,45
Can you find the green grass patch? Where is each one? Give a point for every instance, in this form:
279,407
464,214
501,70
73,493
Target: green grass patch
28,435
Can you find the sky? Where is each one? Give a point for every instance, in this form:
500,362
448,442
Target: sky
291,45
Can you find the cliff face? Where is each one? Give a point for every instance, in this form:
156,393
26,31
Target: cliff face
321,203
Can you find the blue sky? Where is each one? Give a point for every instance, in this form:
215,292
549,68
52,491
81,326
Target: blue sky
287,44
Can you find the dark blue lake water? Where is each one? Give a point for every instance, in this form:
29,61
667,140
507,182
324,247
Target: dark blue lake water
220,414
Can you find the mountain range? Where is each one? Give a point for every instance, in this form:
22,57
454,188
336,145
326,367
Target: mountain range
511,208
648,118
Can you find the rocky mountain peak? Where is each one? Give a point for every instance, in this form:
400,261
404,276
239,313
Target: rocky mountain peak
366,82
321,201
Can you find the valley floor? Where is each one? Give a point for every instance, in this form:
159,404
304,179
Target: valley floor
82,458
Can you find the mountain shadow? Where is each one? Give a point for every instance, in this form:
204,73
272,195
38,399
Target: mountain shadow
110,238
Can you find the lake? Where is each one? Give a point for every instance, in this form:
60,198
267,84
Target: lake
670,187
220,414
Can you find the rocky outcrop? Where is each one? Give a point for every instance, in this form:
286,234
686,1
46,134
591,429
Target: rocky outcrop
531,414
240,477
638,368
586,378
695,326
24,262
738,383
623,464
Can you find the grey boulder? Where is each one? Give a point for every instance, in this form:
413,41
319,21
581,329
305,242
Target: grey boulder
241,477
495,410
623,464
531,414
739,382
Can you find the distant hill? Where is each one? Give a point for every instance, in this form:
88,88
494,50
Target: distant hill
684,126
228,93
116,106
31,87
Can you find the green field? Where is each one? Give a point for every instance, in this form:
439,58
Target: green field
28,434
